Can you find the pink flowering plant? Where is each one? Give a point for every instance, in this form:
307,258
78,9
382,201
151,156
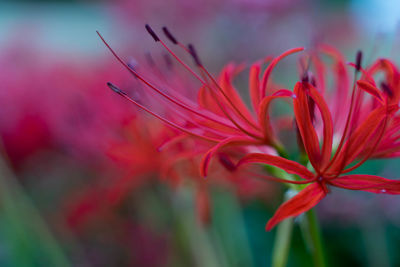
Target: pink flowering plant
339,125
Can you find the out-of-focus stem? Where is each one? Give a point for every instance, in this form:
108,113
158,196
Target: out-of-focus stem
312,236
282,243
26,224
309,225
280,150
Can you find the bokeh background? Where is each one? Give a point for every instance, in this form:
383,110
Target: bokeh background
60,126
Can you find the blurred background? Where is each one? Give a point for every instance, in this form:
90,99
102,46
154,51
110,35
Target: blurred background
80,174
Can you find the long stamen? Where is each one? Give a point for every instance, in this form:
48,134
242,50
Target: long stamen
174,125
193,53
280,180
223,109
208,86
350,114
191,50
179,103
229,100
198,124
372,150
203,80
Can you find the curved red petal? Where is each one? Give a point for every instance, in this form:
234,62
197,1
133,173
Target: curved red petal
272,65
328,124
263,115
302,202
358,139
282,163
370,89
254,85
306,128
369,183
225,82
231,141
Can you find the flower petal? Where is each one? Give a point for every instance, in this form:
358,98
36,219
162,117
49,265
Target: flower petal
370,89
272,65
302,202
328,124
231,141
358,140
225,81
306,128
369,183
392,77
254,85
288,165
263,115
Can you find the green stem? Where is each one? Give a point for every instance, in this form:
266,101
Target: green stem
282,243
280,150
312,235
30,239
309,225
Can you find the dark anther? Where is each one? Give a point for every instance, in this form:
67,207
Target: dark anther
169,35
386,88
116,89
132,67
152,33
358,60
192,51
304,77
226,162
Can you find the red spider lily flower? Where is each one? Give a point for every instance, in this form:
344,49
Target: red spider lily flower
219,116
362,140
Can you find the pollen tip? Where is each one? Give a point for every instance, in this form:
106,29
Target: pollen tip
227,162
152,33
358,60
115,89
132,64
169,35
294,96
194,54
305,77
